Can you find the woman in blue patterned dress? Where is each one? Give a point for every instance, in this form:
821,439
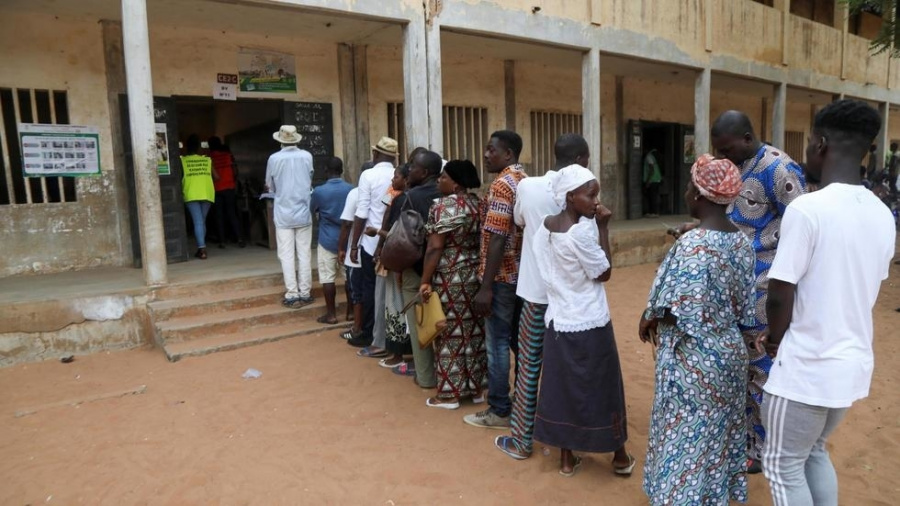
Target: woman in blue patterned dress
697,447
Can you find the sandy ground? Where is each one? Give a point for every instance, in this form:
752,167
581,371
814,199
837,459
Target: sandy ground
323,426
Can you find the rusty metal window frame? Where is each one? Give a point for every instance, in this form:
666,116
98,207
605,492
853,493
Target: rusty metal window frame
22,105
546,127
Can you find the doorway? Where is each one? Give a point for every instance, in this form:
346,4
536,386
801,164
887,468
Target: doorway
245,127
672,145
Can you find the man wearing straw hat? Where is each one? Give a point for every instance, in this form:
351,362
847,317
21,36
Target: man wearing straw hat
289,177
373,185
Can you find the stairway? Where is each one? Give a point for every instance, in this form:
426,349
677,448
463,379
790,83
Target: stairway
191,320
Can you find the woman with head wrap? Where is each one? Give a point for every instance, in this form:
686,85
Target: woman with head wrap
451,266
581,404
704,288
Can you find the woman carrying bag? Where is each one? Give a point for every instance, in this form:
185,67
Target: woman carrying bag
451,264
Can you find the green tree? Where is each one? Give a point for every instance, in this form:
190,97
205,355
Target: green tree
888,39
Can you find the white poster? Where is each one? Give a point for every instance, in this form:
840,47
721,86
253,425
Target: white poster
59,150
162,151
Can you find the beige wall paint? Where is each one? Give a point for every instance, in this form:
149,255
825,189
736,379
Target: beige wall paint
53,237
185,61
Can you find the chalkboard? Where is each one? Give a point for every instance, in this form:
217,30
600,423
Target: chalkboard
315,122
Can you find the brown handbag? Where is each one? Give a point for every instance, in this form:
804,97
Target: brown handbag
430,319
405,243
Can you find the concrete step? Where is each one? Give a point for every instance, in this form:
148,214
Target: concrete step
199,289
226,301
237,321
237,340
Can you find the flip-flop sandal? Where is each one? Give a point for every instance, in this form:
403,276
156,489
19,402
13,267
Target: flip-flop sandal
324,319
368,352
625,471
575,468
404,369
384,363
441,405
511,446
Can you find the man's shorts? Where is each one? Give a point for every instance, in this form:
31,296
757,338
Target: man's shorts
329,266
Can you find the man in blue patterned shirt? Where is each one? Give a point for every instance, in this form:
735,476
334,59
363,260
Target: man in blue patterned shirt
771,181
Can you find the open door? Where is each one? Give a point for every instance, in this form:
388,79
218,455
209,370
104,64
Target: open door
174,225
635,169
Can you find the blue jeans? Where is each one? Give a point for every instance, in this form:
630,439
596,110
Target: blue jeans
198,210
500,328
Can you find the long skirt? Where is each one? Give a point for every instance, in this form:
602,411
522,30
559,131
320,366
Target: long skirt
460,352
395,325
696,448
581,405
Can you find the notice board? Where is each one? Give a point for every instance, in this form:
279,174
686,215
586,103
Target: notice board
315,122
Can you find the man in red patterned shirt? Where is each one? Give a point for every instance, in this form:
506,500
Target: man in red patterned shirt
501,249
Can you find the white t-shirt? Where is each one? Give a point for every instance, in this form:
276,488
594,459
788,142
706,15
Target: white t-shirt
534,201
373,184
569,265
836,245
348,215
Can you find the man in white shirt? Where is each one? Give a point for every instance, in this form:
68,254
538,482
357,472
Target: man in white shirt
835,249
373,185
534,201
289,176
353,274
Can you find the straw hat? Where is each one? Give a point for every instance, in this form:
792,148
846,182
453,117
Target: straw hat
386,146
287,135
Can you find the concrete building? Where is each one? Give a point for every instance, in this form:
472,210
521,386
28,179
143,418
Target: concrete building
631,75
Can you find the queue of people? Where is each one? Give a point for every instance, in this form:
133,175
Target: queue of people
749,375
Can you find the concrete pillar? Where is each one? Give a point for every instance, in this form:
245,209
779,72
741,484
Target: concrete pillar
352,160
778,115
884,139
509,78
785,7
415,83
353,83
361,106
702,86
590,106
435,87
139,83
114,62
842,23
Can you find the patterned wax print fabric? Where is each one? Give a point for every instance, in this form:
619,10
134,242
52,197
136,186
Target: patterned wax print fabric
696,450
771,181
497,218
460,352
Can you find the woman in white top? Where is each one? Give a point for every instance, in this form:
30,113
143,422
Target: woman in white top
581,406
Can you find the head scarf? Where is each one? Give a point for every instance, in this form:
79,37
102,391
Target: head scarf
463,173
717,179
568,179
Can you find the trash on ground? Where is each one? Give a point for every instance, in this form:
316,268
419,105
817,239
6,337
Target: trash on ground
251,374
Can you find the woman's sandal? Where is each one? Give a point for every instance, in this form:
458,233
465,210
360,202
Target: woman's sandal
385,362
372,352
511,446
625,471
575,466
404,369
431,403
